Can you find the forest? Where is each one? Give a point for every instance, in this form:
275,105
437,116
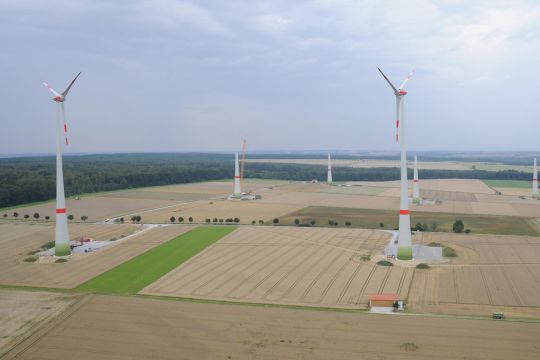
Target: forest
31,179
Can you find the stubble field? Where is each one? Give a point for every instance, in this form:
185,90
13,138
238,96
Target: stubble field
302,266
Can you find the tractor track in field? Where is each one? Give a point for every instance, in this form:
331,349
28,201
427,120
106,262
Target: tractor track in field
319,275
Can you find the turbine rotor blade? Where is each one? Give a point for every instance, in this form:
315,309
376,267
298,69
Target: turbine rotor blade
409,77
50,88
389,82
64,94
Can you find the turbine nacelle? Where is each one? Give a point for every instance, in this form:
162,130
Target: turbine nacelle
401,92
58,98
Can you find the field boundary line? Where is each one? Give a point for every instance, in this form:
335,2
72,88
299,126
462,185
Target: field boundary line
28,341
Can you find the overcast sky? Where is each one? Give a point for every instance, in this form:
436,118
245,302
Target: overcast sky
171,75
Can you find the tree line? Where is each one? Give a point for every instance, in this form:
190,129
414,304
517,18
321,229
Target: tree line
30,179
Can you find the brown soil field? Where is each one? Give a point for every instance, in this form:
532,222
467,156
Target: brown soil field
15,271
22,312
491,273
287,265
106,327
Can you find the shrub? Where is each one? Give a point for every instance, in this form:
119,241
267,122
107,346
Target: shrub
31,259
261,222
190,219
122,220
296,221
47,217
61,261
312,222
275,221
70,217
215,220
180,219
331,222
26,216
48,245
208,221
381,225
84,217
336,223
173,219
347,223
422,266
434,227
253,222
236,220
221,220
113,239
449,252
467,231
5,215
458,226
384,263
410,346
15,214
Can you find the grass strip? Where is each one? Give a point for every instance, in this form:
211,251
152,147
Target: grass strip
133,275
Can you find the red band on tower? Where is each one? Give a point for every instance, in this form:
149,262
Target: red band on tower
237,177
61,211
404,212
415,180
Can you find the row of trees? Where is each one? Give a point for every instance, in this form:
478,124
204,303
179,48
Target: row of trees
37,216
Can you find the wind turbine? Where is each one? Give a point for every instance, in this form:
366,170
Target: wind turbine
61,241
535,182
237,189
329,178
404,239
416,185
243,162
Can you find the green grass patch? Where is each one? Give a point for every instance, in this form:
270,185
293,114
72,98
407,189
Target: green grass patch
518,184
135,274
422,266
384,263
372,218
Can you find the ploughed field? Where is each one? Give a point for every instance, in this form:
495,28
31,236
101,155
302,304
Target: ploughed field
288,265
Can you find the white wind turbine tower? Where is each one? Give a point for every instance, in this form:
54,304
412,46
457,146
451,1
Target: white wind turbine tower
237,190
404,240
535,182
329,179
61,241
416,185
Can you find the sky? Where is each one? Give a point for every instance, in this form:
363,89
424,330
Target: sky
168,75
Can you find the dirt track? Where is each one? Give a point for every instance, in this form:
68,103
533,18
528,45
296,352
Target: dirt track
14,271
136,328
288,265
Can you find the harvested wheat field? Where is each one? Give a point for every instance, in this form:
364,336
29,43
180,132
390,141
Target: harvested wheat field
490,272
80,267
105,327
246,211
288,265
95,207
22,312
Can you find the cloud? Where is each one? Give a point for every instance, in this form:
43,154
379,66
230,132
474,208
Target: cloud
273,24
174,14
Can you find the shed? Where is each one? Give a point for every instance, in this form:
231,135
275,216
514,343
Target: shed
382,300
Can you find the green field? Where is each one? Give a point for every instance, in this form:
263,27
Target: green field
139,272
371,219
521,184
159,195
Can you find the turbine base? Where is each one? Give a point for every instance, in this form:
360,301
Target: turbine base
404,253
62,250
